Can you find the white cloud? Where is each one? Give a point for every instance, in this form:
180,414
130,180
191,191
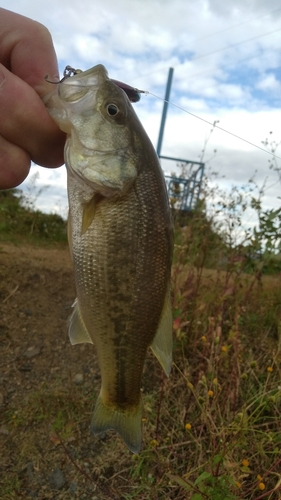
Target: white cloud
269,83
223,55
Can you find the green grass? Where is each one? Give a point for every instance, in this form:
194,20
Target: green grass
21,222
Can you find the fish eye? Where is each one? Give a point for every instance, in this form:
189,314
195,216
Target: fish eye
112,109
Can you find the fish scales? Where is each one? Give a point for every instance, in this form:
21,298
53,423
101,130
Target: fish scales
121,245
124,286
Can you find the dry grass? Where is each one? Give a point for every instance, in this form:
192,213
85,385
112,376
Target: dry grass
211,431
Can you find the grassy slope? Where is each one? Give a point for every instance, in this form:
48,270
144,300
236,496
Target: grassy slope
20,221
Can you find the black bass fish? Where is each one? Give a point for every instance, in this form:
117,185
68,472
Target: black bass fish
121,241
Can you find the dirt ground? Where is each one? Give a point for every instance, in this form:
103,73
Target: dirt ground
47,386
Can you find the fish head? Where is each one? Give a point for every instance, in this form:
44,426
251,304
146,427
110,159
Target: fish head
102,128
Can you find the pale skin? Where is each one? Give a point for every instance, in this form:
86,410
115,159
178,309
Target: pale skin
27,133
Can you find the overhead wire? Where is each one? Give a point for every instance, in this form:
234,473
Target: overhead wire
213,124
238,25
222,49
215,52
196,58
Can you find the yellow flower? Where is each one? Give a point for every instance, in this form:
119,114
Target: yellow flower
144,419
259,478
153,442
204,338
238,484
245,462
261,486
210,394
224,348
269,369
188,427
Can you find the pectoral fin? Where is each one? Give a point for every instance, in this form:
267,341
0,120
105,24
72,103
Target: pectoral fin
78,333
162,344
89,211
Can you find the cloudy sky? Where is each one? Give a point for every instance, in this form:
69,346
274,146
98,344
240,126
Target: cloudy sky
227,66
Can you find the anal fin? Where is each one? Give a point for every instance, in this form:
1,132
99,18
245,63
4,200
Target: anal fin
78,333
162,345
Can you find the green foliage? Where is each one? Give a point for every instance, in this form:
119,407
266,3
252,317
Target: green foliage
9,486
212,485
20,221
196,239
214,234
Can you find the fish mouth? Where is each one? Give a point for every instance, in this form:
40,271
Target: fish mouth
73,88
93,77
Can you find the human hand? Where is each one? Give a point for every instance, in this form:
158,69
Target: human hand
27,132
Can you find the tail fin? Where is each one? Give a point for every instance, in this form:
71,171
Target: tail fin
126,422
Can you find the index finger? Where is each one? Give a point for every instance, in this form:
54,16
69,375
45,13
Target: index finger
28,60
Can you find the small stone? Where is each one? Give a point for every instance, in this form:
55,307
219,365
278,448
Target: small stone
4,430
101,436
32,351
32,494
72,487
57,479
29,471
17,351
78,379
25,368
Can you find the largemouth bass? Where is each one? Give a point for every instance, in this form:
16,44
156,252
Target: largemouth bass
120,239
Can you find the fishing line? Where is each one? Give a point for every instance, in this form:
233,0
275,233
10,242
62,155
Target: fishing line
146,92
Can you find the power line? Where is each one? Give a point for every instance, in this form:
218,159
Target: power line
236,44
213,124
237,25
218,50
